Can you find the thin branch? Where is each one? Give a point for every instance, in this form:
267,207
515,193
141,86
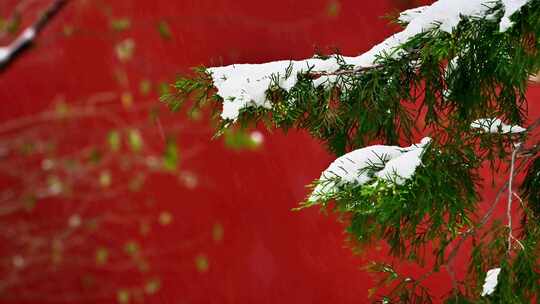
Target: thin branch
452,273
510,195
493,206
482,222
535,78
27,37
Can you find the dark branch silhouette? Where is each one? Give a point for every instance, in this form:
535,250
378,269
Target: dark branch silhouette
25,39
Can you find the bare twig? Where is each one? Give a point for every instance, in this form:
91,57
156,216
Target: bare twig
471,231
482,222
452,273
535,78
508,185
27,37
510,197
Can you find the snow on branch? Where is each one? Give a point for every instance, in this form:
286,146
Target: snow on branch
495,125
245,85
27,36
390,163
491,281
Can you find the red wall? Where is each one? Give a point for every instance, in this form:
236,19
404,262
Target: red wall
269,253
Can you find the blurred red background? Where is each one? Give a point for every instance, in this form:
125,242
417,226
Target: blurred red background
267,253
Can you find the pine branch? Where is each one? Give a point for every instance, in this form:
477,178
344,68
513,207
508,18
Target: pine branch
485,218
27,37
456,79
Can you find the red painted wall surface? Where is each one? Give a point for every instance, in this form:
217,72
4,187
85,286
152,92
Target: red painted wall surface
269,254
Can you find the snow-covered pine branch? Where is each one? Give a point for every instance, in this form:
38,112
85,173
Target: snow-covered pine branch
495,125
455,64
389,163
245,85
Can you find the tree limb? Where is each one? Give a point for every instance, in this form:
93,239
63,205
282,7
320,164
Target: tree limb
9,53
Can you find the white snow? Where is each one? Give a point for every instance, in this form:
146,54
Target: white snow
491,281
245,85
409,15
4,54
397,164
510,7
28,34
401,168
495,125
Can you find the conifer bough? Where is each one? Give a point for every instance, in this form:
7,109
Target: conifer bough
457,75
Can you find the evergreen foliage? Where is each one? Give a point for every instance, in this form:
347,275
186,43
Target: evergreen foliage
435,84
